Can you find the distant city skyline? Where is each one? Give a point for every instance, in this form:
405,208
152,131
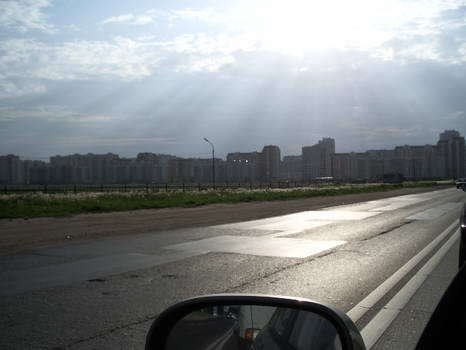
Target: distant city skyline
223,154
205,151
445,159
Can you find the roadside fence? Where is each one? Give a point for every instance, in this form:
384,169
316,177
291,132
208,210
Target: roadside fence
157,187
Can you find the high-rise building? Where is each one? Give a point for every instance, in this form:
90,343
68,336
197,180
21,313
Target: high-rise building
270,163
244,166
292,168
83,168
317,159
11,170
451,146
343,166
36,172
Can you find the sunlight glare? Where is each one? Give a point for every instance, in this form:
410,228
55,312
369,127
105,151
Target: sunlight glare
297,26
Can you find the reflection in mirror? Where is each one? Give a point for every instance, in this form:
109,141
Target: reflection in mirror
245,327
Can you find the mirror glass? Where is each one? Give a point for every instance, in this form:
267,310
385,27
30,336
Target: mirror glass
248,327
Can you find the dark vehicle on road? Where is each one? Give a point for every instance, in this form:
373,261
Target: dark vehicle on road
461,184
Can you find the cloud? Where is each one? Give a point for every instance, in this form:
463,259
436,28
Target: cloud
382,133
76,60
11,89
206,14
169,16
128,18
50,113
438,37
25,15
246,109
112,141
72,28
456,115
438,34
52,129
26,64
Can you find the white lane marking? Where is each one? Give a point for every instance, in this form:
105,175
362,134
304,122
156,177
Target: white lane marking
262,246
436,212
379,324
373,298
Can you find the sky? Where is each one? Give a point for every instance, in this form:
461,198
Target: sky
79,76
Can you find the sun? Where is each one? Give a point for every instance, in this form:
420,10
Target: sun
297,26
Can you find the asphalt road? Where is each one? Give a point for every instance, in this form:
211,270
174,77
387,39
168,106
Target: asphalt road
379,261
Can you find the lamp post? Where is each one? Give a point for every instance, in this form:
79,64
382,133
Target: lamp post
213,161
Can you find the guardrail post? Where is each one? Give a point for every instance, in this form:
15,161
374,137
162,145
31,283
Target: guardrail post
166,187
183,187
74,189
45,188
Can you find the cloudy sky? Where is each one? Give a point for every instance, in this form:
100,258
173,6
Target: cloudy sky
158,76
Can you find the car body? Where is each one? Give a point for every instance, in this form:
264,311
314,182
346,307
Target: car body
462,252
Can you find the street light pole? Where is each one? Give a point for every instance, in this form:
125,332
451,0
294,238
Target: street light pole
213,161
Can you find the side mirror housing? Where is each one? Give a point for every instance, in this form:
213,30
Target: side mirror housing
232,321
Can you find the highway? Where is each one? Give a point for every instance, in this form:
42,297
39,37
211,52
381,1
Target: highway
384,262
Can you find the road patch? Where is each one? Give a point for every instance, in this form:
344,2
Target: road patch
262,246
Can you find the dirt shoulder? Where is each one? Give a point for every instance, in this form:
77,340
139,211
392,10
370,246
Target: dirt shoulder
23,234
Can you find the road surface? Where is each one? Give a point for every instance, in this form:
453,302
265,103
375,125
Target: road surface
384,262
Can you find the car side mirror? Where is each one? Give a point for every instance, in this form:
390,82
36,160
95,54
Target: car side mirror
230,322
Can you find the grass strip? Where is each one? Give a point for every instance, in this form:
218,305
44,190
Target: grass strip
40,204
